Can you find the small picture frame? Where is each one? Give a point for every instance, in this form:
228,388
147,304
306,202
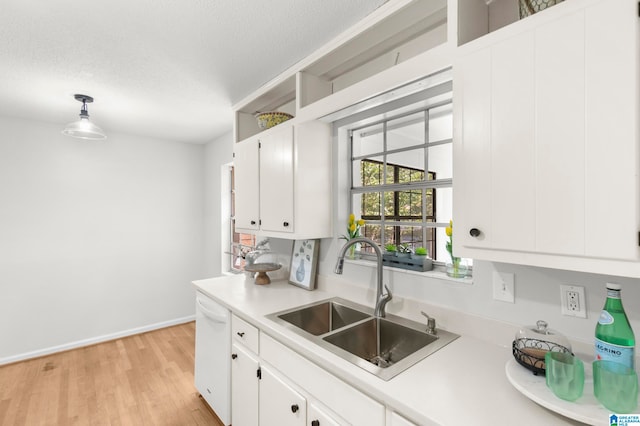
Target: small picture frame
304,263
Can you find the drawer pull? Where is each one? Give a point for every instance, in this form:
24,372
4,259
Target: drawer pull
294,408
240,333
285,224
474,232
234,356
315,423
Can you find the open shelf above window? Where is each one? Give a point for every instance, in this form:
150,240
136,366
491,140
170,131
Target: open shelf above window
396,32
414,29
477,18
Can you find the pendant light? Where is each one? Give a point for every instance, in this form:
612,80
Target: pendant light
83,128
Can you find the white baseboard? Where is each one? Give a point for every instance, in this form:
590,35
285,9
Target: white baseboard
94,340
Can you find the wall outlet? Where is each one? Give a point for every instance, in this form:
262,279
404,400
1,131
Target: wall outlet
573,301
503,286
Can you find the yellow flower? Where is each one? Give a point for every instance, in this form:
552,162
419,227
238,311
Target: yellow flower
448,230
352,218
361,222
352,227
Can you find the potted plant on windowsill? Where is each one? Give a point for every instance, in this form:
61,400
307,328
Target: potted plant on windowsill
391,249
420,253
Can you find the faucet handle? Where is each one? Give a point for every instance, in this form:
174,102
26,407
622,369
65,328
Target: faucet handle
431,324
389,295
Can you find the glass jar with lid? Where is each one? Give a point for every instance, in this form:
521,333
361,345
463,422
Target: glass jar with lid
533,342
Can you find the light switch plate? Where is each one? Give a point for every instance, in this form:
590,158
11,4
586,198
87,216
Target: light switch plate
503,286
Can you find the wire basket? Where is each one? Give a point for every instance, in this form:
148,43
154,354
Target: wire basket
267,120
530,353
529,7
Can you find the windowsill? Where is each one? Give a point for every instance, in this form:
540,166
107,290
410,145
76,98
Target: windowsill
438,271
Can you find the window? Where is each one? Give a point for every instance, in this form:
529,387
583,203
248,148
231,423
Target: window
241,244
401,177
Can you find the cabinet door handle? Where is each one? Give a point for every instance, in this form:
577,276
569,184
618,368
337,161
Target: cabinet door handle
474,232
294,408
253,222
234,356
240,333
315,423
285,224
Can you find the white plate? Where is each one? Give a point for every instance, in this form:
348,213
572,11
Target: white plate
585,409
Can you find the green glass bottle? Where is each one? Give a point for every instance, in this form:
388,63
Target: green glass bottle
614,337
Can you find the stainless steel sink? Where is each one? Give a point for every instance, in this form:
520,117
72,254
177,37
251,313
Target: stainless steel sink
383,346
380,341
323,317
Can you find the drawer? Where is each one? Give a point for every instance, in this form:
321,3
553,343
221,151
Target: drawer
245,333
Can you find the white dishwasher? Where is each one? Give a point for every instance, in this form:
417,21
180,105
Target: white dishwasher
213,349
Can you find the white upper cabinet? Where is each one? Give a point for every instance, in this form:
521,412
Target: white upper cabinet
276,180
283,182
246,173
546,141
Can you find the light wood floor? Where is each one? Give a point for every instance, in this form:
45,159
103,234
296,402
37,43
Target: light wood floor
146,379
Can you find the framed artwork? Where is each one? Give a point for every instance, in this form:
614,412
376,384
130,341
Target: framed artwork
304,263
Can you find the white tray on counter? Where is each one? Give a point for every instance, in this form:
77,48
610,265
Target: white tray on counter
585,409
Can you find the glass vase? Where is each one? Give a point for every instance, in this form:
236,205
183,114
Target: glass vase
457,268
353,252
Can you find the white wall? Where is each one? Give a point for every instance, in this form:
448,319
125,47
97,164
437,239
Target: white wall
97,239
216,153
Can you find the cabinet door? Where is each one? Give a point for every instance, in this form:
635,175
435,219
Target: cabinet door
244,387
559,117
547,146
612,140
247,184
279,403
472,150
276,181
397,420
318,417
512,144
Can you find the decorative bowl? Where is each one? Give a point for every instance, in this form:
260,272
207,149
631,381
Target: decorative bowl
530,353
267,120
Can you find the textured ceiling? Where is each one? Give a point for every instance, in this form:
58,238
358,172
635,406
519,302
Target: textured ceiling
166,69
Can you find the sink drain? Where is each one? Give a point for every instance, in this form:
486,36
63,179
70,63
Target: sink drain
382,361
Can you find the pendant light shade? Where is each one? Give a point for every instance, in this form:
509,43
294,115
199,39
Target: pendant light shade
83,128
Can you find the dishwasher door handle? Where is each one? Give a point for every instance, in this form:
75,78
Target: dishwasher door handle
213,316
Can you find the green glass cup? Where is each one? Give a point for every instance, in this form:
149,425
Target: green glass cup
564,374
615,386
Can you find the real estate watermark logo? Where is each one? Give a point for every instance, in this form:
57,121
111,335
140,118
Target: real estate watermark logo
624,420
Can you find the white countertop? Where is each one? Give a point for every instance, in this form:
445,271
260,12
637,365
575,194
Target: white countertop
463,383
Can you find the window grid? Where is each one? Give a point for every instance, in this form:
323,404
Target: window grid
391,226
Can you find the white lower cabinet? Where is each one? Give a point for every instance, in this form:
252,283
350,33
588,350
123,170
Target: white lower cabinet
277,386
280,404
244,386
317,416
348,405
398,420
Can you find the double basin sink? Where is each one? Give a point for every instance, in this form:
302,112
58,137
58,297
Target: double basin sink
383,346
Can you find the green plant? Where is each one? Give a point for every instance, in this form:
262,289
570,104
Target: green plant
391,248
421,251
